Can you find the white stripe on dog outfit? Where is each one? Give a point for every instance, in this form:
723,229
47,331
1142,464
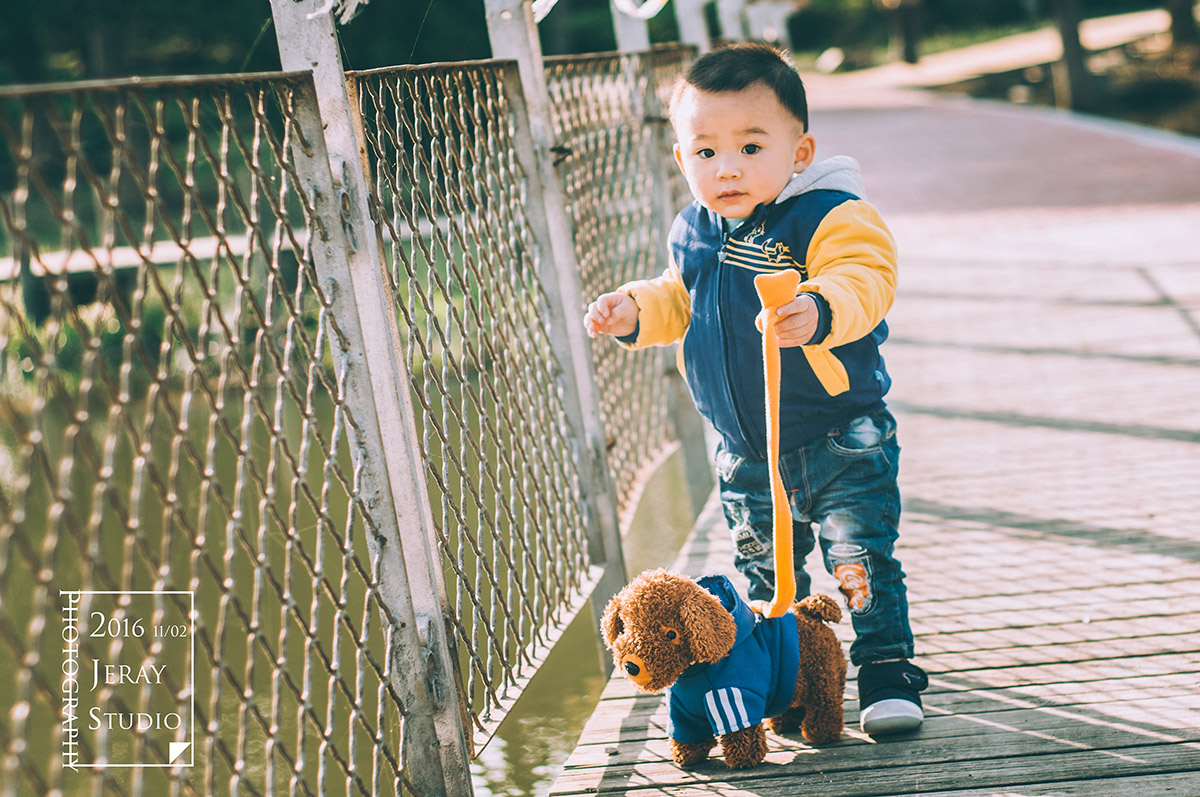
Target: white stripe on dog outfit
727,716
715,713
741,706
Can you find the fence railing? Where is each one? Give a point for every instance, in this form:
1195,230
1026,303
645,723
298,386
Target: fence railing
175,420
187,432
499,454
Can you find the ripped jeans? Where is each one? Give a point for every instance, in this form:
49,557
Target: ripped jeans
842,491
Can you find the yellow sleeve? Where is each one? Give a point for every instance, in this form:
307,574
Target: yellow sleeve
664,309
852,264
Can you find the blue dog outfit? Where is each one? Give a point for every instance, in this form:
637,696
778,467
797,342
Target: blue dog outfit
754,681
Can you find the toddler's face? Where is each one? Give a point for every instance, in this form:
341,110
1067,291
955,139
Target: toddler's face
738,149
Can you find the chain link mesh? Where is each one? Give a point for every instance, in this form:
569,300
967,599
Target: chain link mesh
500,459
174,416
173,419
612,151
666,66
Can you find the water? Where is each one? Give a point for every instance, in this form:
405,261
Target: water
533,743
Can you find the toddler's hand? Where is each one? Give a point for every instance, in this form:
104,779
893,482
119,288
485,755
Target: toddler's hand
613,314
796,321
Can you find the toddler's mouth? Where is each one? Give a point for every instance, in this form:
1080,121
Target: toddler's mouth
731,195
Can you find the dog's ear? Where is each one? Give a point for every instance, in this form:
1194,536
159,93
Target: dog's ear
610,624
708,625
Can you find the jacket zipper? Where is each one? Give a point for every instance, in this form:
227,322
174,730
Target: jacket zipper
738,415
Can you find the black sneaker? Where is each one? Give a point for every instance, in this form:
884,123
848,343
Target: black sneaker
889,699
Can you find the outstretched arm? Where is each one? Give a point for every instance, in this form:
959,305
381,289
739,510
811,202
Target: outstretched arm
613,314
657,311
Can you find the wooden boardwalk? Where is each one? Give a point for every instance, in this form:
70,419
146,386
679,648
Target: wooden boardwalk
1046,350
1085,683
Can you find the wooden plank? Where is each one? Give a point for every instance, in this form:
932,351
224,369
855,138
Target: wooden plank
1069,672
1065,600
1064,695
1057,634
1180,783
1080,652
1052,612
788,773
1048,682
646,718
1104,573
1174,719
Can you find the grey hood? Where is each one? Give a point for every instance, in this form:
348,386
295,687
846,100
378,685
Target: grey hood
839,173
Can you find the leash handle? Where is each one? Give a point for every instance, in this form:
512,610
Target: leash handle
774,291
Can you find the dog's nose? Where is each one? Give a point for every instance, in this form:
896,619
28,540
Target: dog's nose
636,669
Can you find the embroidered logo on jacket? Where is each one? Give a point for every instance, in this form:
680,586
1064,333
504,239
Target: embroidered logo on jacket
757,252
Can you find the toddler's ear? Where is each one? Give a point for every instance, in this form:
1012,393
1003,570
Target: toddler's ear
806,151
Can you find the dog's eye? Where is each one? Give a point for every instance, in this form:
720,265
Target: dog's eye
671,634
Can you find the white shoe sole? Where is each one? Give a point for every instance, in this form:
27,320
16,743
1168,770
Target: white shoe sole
891,716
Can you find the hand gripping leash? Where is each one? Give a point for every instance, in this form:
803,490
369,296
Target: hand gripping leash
774,291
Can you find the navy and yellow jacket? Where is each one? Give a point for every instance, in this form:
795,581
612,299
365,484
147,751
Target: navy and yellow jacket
754,681
820,226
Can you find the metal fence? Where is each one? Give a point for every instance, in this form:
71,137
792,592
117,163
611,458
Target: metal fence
175,421
186,433
499,453
608,117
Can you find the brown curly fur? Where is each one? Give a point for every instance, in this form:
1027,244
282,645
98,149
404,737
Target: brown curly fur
637,626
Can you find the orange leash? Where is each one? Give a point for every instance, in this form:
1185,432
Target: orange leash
774,291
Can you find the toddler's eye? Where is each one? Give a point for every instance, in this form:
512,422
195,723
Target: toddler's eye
705,153
750,149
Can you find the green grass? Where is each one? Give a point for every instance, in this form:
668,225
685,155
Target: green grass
942,41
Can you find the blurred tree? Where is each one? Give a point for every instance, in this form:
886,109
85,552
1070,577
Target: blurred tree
1072,81
578,26
19,43
78,39
1184,29
75,39
905,25
388,32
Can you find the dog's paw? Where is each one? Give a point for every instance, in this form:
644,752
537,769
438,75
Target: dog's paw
686,754
787,721
822,734
744,748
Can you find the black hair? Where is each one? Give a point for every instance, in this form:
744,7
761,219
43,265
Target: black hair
737,66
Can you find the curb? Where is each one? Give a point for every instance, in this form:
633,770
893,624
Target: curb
1145,135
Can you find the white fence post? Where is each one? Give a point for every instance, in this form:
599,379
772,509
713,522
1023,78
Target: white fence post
633,34
767,20
514,35
693,30
729,12
436,751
